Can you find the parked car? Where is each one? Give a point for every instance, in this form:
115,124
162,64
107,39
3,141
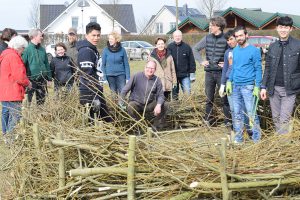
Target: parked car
137,49
262,42
50,50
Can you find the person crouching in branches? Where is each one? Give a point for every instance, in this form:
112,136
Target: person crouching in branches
146,96
63,69
13,81
165,68
115,63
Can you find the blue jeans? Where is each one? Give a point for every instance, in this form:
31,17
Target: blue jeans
243,98
116,83
11,114
185,83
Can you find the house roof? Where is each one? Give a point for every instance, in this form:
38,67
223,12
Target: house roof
296,19
123,13
192,12
201,23
48,13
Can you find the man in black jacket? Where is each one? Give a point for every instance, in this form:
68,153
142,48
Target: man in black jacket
184,63
215,46
282,75
90,89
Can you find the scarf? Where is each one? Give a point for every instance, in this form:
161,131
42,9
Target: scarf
161,54
114,48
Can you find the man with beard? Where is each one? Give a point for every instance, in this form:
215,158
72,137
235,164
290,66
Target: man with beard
71,45
244,84
281,78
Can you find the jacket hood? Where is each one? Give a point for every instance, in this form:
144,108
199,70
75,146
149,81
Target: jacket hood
7,52
84,43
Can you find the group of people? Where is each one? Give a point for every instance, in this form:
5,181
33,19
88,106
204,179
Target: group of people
231,64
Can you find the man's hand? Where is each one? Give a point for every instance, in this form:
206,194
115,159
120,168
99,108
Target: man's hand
221,64
256,92
229,88
205,63
263,94
222,91
157,110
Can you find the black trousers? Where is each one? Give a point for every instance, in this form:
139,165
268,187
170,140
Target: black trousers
213,82
39,87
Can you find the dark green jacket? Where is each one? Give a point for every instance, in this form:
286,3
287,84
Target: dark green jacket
36,62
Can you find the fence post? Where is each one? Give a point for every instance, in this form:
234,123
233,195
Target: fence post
61,167
36,139
131,168
224,183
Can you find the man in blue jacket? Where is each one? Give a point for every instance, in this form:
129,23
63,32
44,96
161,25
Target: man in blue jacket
282,75
89,62
244,84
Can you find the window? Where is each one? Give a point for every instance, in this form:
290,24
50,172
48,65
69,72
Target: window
134,45
125,44
172,25
74,22
159,27
93,19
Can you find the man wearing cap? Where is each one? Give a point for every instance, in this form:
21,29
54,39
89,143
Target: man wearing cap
71,44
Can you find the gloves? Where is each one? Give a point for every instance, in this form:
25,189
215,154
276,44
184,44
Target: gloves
192,77
229,88
122,106
256,92
96,104
222,91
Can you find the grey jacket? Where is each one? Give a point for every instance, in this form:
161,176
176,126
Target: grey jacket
291,66
72,51
144,90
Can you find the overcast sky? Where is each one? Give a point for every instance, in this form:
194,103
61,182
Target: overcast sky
15,13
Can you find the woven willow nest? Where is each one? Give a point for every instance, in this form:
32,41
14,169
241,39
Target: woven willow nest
166,164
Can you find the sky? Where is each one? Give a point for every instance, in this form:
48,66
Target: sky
15,13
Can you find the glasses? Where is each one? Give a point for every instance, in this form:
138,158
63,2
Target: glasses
152,68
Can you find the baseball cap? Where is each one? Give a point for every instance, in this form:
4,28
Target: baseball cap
72,31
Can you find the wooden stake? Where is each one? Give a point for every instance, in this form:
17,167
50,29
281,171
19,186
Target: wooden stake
131,168
99,170
224,183
61,167
36,139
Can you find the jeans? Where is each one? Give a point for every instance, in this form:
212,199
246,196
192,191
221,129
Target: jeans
213,79
185,83
11,114
116,83
282,106
39,87
243,98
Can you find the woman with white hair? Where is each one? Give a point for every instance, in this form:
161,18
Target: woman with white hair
13,81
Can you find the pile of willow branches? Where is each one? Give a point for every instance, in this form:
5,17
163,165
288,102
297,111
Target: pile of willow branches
176,163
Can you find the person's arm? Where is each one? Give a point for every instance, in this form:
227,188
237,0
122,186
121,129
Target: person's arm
52,67
258,68
160,97
192,63
18,69
46,63
26,62
126,65
103,66
86,60
127,88
173,72
197,49
225,68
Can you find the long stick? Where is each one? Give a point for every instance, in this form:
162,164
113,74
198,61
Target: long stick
36,139
224,183
131,168
61,167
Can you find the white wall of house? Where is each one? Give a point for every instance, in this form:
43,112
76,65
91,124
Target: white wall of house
165,18
64,22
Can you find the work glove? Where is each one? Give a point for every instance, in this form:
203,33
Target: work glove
96,104
222,91
192,77
256,92
122,106
229,88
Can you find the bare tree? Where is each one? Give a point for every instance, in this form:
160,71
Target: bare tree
34,17
209,6
141,23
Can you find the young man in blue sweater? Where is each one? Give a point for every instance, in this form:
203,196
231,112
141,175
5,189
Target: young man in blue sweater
244,84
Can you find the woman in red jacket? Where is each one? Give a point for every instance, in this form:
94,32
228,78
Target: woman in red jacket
13,81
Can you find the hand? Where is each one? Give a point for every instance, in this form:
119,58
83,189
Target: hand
256,92
263,94
221,64
122,106
157,110
192,77
222,91
229,88
96,104
29,85
205,63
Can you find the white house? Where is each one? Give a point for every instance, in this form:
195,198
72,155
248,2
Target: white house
59,18
165,19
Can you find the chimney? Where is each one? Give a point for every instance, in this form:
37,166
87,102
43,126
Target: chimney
185,10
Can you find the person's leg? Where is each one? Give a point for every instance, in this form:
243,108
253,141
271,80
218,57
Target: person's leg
210,86
112,82
238,113
41,91
121,81
30,92
275,103
175,90
224,101
287,107
167,95
14,115
5,116
135,110
249,101
186,85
